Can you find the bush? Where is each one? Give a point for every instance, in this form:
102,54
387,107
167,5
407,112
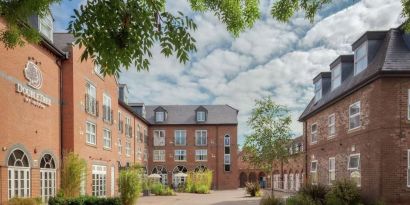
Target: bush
300,199
343,192
84,200
129,186
161,190
252,188
25,201
198,182
271,200
317,193
72,173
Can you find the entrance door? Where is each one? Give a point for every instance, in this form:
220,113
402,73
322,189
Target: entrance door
297,183
112,180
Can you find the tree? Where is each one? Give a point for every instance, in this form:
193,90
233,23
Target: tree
121,33
73,172
271,136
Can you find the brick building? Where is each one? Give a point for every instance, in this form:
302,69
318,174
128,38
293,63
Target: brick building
357,126
250,173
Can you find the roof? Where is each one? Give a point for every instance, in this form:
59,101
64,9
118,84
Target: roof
62,40
185,114
129,109
393,56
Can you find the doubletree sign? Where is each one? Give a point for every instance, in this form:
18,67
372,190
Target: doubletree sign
35,80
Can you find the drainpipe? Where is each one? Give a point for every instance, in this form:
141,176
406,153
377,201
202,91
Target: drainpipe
60,66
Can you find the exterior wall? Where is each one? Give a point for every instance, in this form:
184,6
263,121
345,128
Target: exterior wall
249,173
26,126
215,142
382,140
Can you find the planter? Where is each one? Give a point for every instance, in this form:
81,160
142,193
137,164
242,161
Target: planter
146,193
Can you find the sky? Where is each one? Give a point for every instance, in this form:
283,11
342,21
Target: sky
270,59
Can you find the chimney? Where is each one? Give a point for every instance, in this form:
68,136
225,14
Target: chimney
123,93
322,84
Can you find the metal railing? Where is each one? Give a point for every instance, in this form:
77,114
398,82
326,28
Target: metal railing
91,105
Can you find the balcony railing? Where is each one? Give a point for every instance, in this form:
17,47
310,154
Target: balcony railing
128,130
107,114
91,105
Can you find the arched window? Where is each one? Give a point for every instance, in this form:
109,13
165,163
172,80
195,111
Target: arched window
200,168
162,171
227,153
47,177
179,175
19,174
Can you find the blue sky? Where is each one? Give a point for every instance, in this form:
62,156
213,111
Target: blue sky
271,59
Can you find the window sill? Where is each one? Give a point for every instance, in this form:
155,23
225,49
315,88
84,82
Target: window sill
158,160
201,145
107,148
313,143
180,160
350,130
201,160
331,137
91,145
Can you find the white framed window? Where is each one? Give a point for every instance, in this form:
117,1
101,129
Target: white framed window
159,116
107,139
145,155
336,76
318,90
408,168
159,155
354,162
128,127
18,175
180,137
227,153
46,26
90,99
159,137
227,159
313,171
98,71
180,155
120,122
127,147
107,112
201,138
201,155
354,115
313,134
99,180
332,170
331,125
200,116
91,133
139,153
47,177
119,145
360,58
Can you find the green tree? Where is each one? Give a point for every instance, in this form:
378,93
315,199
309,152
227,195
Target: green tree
121,33
72,173
129,184
270,138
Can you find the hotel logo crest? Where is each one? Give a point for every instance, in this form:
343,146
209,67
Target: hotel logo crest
33,74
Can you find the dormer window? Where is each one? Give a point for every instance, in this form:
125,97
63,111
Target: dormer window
200,116
98,71
336,76
360,58
160,116
318,90
45,25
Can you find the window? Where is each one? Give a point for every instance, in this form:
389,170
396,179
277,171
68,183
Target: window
336,76
354,115
120,123
313,134
99,179
46,26
159,116
331,123
139,153
98,71
201,138
47,177
119,145
107,112
127,147
354,162
179,175
360,58
162,171
145,155
201,155
128,127
107,139
90,99
159,137
200,116
408,168
180,155
313,172
139,134
180,137
332,170
145,136
159,155
318,90
91,133
18,175
227,153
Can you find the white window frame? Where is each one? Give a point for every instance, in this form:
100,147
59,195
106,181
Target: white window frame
46,21
313,133
354,115
91,138
97,71
332,170
24,191
158,155
227,159
314,171
356,59
200,133
107,106
119,145
139,153
201,155
47,183
99,180
107,138
336,76
158,143
159,116
128,147
200,116
358,163
177,136
331,125
180,155
318,90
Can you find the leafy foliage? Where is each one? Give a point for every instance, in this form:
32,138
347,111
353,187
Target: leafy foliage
270,199
84,200
129,184
315,193
72,173
300,199
199,182
24,201
252,188
343,192
161,190
406,14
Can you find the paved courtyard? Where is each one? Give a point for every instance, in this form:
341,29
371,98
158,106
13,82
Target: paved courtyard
228,197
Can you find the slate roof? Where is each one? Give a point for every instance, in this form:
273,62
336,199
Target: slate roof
393,56
62,40
185,114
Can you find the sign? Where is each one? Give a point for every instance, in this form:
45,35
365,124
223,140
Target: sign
33,75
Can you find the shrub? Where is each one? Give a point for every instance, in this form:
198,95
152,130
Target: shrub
161,190
300,199
252,188
198,182
271,200
129,186
317,193
72,173
25,201
343,192
84,200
